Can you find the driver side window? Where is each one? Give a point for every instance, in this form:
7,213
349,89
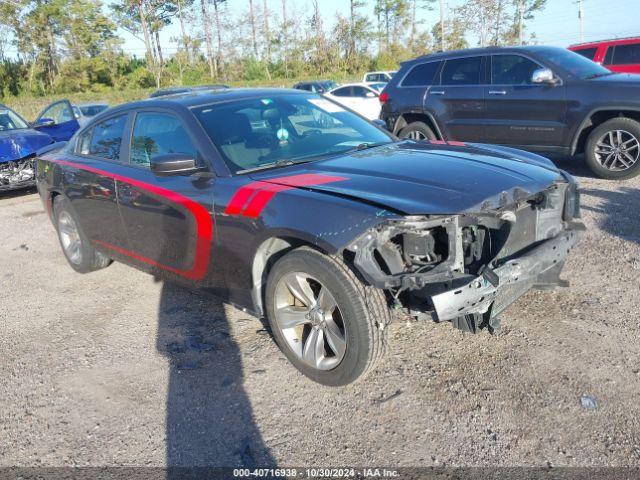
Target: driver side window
59,112
158,134
512,70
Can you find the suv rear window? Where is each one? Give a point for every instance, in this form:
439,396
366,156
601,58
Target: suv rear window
626,54
421,75
462,71
589,53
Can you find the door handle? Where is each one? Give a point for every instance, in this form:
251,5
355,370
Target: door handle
497,92
436,92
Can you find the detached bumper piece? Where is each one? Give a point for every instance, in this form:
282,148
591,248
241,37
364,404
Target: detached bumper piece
475,304
17,174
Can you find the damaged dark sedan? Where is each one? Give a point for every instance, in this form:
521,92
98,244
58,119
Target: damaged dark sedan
296,209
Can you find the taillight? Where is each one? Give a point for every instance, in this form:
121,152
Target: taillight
384,97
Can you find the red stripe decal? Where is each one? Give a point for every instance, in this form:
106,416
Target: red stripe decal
437,142
455,143
204,224
258,194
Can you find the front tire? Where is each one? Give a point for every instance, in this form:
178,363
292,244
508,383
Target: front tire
417,131
326,321
612,150
77,248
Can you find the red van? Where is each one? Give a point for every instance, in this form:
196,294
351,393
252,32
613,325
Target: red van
620,55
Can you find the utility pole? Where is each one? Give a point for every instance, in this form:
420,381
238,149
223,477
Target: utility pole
442,25
581,17
521,19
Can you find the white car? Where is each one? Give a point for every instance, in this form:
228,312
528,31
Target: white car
382,76
362,98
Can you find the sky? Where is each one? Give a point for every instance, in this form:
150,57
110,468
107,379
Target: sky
557,24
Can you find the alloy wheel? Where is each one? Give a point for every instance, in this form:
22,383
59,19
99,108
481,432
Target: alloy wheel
70,237
310,320
416,135
617,150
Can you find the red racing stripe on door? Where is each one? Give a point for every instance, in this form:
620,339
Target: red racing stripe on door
204,224
251,199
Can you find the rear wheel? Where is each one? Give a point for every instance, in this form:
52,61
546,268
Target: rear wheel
417,131
76,247
327,322
613,149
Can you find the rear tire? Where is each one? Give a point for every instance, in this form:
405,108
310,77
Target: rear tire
613,144
417,131
77,248
345,323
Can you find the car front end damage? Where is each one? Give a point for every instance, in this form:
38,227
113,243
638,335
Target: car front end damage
467,268
16,174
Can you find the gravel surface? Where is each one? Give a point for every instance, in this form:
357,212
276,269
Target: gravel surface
114,368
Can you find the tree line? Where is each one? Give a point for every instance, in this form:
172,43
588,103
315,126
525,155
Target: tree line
64,46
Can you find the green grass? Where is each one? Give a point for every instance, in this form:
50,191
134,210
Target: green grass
29,106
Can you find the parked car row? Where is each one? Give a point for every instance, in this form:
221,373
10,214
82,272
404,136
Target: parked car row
20,140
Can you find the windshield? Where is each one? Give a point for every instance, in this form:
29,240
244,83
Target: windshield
283,129
378,86
10,120
92,110
576,64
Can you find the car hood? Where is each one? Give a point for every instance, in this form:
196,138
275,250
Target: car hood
423,178
16,144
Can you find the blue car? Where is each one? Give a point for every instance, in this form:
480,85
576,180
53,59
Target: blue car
20,140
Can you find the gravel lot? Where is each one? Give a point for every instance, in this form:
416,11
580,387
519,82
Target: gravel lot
113,368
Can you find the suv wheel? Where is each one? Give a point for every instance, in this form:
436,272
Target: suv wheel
324,319
417,131
76,247
613,149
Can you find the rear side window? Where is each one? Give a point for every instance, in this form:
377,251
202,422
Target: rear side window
589,53
104,139
512,70
609,55
421,75
158,134
342,92
626,54
462,71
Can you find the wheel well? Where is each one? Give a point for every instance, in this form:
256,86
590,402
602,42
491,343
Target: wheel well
50,200
597,119
270,251
407,118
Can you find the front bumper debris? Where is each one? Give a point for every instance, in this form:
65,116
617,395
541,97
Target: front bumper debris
17,174
494,290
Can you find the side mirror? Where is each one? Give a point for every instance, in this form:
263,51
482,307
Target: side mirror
44,122
370,95
543,75
173,164
380,123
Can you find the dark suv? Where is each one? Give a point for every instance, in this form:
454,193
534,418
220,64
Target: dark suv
537,98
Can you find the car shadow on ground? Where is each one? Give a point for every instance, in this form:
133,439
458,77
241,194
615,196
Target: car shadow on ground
576,166
619,208
209,419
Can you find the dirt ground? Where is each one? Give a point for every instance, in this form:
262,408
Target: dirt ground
113,368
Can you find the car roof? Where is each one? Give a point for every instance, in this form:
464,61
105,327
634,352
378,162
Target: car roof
357,84
612,41
207,97
468,52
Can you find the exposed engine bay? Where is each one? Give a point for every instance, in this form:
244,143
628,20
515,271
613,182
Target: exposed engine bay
17,173
469,267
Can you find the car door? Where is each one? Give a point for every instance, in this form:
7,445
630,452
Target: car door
457,102
58,121
366,101
520,112
169,220
344,96
90,182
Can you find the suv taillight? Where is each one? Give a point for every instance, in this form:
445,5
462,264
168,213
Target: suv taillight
384,97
